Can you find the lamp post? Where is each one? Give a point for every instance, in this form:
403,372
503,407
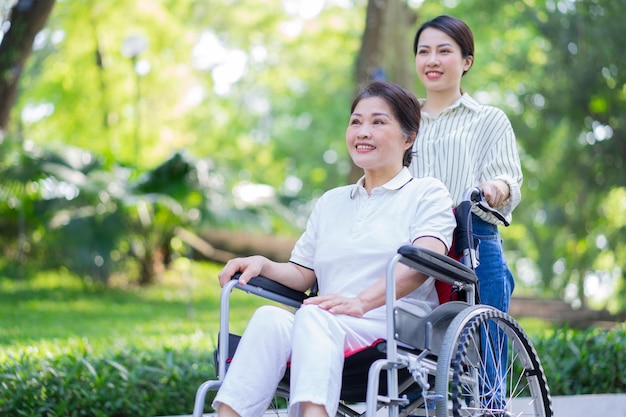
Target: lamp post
132,47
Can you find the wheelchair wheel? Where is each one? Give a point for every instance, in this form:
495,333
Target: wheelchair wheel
489,367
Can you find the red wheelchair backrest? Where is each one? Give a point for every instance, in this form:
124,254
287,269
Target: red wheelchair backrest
444,290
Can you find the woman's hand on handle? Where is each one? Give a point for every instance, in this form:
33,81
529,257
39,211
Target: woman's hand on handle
496,192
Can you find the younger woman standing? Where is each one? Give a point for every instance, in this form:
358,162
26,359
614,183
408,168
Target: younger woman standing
465,144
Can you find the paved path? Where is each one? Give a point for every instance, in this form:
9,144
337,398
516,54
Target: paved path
598,405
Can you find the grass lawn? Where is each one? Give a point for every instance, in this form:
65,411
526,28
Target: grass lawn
55,313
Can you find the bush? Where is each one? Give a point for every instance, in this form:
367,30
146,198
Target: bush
128,383
140,382
578,362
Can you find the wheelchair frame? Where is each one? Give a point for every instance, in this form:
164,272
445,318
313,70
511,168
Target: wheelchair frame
448,353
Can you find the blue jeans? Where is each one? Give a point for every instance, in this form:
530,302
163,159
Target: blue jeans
496,285
494,277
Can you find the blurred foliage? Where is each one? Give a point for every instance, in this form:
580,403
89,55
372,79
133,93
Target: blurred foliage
247,85
65,209
257,92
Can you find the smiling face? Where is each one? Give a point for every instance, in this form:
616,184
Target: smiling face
439,62
375,140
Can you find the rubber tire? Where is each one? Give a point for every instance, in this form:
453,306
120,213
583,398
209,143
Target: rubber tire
459,367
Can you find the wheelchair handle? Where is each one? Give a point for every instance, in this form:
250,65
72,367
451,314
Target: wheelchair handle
465,245
477,198
272,290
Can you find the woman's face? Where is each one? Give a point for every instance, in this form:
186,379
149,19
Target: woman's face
374,138
439,61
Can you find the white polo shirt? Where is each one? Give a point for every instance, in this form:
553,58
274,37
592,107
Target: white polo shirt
350,236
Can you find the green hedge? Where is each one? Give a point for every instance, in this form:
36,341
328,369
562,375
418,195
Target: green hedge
163,382
129,383
584,362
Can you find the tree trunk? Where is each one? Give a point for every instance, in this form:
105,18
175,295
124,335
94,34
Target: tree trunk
222,245
385,49
27,18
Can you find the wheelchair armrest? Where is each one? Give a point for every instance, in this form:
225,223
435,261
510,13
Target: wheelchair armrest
439,266
272,290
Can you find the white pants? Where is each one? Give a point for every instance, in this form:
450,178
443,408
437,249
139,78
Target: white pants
313,340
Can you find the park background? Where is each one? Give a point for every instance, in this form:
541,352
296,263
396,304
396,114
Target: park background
145,142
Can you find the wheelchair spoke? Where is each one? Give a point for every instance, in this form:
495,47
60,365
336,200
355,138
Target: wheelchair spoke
491,370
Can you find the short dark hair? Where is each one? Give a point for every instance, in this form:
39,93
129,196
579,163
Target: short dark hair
404,106
454,28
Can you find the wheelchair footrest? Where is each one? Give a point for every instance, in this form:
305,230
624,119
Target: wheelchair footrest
392,401
433,396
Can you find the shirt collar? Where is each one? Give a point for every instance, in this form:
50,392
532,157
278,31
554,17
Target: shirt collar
465,100
469,102
400,180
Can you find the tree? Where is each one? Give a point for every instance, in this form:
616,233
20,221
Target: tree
27,19
585,195
385,48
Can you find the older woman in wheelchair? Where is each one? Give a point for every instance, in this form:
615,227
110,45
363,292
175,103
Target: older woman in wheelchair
373,251
349,238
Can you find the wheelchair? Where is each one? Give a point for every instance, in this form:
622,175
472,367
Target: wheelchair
463,359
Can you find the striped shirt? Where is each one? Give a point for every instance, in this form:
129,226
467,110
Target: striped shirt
467,144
